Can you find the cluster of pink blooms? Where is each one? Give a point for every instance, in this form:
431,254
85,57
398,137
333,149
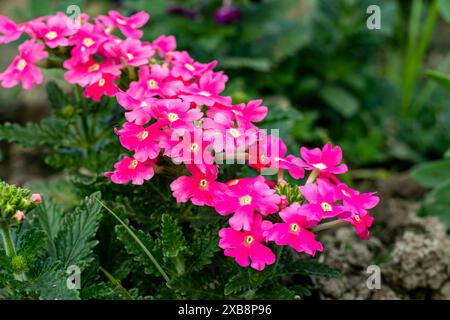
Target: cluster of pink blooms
174,109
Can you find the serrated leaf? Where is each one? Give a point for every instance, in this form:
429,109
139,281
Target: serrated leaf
204,246
75,239
5,262
172,238
49,216
58,99
136,251
52,285
48,131
30,244
312,268
276,292
246,279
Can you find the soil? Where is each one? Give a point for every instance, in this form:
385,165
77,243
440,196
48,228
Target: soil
413,253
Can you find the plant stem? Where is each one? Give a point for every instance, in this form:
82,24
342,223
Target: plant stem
7,240
138,241
117,283
312,176
418,44
328,225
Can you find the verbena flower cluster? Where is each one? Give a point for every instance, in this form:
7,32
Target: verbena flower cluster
175,109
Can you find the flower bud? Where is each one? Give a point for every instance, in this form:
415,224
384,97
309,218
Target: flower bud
19,215
36,198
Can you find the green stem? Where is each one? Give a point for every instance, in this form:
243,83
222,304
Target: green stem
328,225
7,240
117,283
418,44
138,241
312,176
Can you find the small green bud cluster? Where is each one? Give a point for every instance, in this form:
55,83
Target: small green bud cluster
14,200
290,191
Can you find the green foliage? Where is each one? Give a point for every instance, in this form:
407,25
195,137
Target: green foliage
172,239
74,242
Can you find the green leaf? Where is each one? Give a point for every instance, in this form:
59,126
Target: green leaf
50,131
59,190
312,268
136,251
437,203
58,99
441,78
5,262
30,244
172,238
444,9
246,279
52,285
204,246
341,100
75,240
49,216
432,174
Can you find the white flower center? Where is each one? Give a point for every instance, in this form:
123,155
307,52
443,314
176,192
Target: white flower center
94,67
326,206
21,65
294,228
249,240
143,135
101,83
172,117
87,42
133,164
51,35
245,200
203,183
152,84
319,166
190,67
234,132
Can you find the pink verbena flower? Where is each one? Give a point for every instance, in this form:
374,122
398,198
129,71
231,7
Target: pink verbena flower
226,136
129,169
244,197
87,41
199,187
55,31
143,141
293,231
9,30
322,197
186,68
355,209
267,153
357,202
177,114
164,44
189,148
131,51
104,86
127,25
325,160
246,247
155,80
23,68
252,112
89,72
206,91
140,111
